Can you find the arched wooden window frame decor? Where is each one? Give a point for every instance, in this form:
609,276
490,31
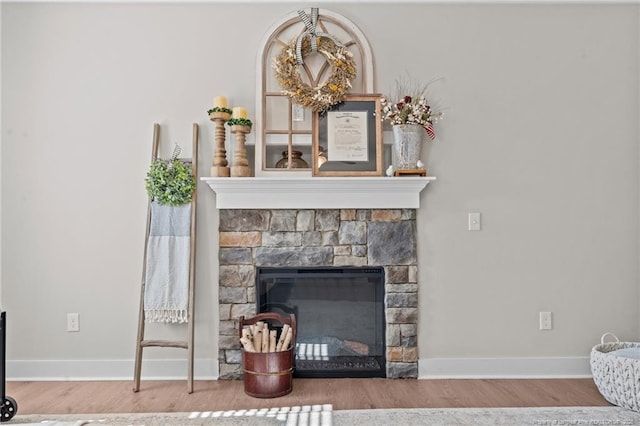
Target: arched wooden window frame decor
272,140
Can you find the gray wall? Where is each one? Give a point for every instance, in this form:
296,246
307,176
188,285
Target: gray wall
541,136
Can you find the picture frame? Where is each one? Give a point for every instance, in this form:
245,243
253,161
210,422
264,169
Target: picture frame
347,138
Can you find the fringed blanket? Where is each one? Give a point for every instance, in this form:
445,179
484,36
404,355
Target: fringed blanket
166,291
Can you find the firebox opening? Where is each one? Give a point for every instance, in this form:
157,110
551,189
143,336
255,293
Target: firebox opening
340,317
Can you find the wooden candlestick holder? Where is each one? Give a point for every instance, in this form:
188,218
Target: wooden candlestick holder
220,164
240,166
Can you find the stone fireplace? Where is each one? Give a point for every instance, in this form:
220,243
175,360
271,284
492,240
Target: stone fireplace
251,238
273,220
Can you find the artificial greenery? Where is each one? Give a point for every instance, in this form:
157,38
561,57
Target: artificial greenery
219,109
239,122
170,182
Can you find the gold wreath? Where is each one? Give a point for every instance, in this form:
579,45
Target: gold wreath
325,95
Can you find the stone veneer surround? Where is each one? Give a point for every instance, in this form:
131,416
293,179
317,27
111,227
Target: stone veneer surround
322,237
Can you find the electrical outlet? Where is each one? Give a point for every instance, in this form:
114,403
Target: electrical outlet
546,321
474,221
73,322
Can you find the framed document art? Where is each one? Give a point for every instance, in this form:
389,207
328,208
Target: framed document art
347,138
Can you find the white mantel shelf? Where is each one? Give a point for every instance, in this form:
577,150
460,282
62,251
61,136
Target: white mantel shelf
318,192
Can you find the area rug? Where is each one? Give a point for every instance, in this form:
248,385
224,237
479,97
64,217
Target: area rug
324,415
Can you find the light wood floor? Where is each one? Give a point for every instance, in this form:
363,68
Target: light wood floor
171,396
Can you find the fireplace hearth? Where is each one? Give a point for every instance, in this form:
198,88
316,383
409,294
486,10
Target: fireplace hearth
329,239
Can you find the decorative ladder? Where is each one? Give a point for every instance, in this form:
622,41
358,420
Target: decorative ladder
188,344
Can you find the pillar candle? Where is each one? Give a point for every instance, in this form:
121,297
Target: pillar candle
239,112
220,102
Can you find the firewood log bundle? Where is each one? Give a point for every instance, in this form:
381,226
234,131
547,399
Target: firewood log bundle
258,338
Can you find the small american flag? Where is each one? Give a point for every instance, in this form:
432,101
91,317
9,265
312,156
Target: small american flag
430,131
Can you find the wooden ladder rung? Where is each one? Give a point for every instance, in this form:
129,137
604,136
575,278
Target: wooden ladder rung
164,344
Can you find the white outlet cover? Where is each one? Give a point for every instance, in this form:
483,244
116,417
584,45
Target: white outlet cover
474,221
546,321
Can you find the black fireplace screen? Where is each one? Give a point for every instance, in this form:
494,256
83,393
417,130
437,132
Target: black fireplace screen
340,317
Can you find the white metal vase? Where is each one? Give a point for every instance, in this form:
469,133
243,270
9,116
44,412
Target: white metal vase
407,142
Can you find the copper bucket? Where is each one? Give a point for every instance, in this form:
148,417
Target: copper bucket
268,375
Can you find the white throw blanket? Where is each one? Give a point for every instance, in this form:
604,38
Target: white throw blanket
166,291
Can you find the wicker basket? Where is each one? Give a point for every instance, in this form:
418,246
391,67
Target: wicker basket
617,378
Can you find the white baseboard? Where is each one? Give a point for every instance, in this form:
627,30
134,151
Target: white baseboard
207,369
508,368
152,369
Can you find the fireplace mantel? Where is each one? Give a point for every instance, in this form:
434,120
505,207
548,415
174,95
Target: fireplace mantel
318,192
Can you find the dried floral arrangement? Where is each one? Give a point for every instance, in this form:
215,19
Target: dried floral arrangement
325,95
410,107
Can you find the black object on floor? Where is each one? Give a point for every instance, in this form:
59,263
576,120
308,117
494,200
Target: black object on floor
9,406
